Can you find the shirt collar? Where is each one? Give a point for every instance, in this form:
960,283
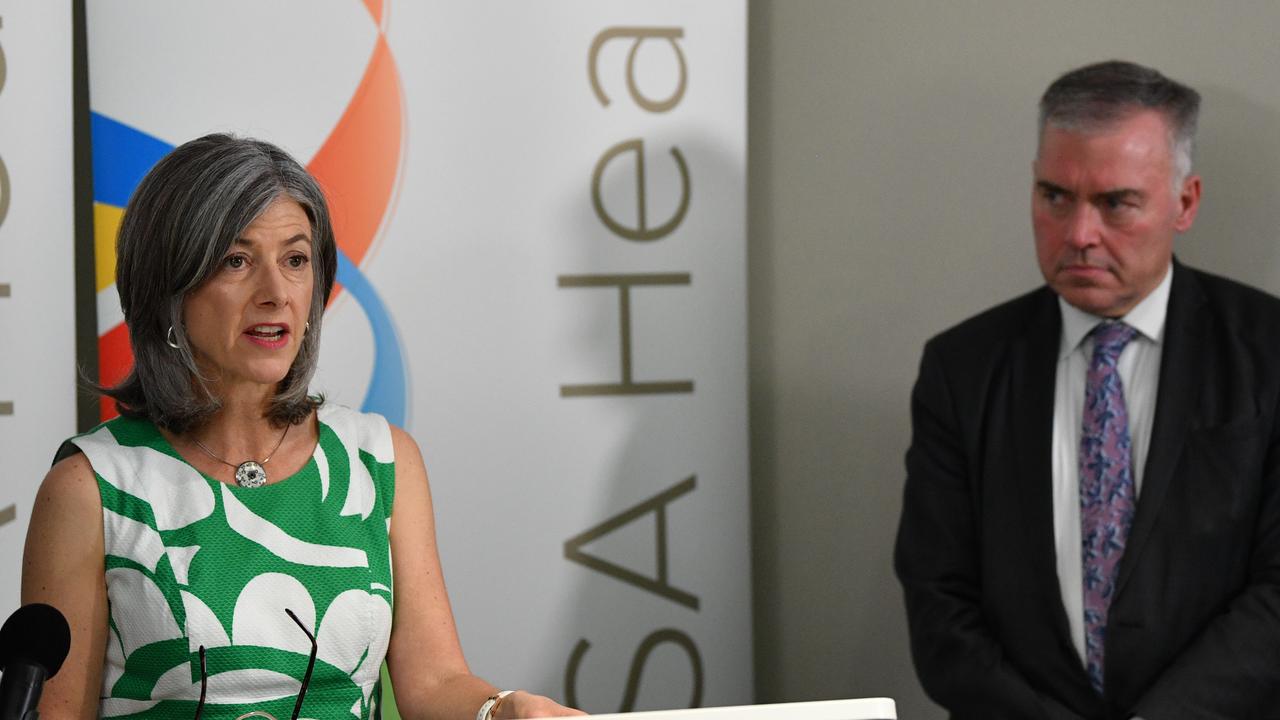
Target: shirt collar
1147,317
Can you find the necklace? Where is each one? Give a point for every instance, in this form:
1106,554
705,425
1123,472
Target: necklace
250,473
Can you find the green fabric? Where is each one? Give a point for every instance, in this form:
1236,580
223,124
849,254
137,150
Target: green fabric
192,561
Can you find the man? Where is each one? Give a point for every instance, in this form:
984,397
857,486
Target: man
1091,520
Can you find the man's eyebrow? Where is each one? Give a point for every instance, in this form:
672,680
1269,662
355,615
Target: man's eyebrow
1050,187
1121,194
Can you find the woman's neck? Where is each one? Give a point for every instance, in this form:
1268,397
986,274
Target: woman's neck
241,427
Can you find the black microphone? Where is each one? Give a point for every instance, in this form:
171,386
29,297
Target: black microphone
33,643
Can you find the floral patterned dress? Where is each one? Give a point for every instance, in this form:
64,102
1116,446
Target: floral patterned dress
194,562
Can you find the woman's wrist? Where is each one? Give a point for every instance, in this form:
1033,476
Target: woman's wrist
489,710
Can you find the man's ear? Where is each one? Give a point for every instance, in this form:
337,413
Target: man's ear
1188,203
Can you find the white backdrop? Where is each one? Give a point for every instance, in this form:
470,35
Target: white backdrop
37,323
496,207
494,286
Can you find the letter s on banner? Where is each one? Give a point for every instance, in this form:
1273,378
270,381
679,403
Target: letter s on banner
4,171
4,193
647,645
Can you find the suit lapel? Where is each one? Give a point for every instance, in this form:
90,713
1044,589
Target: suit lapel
1034,361
1034,365
1181,372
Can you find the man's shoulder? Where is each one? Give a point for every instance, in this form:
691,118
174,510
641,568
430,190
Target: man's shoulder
1236,304
1008,320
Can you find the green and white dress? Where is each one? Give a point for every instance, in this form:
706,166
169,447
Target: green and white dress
191,561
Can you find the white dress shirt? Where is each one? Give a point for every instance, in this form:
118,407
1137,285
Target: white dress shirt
1139,367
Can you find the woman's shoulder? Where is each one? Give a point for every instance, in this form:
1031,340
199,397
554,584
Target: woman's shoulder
113,433
84,456
71,476
369,432
118,450
68,495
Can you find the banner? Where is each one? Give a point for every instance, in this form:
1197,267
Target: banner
37,311
540,209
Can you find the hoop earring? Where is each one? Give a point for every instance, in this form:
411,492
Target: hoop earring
171,340
307,329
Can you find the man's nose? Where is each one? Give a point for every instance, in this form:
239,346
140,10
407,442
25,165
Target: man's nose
1084,227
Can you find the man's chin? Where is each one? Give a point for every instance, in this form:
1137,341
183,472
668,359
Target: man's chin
1094,300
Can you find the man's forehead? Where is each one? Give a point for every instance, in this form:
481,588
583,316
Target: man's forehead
1139,141
1137,121
1099,117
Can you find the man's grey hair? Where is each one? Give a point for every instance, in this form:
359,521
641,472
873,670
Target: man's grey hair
1095,96
179,224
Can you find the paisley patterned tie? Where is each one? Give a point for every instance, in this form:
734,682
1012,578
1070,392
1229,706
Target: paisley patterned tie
1107,498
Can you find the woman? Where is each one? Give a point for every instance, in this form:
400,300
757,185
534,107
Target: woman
228,544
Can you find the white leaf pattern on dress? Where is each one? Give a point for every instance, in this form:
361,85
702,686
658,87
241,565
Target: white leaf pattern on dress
113,663
139,609
127,538
175,684
180,561
203,627
252,685
367,674
322,466
177,493
115,707
360,491
260,617
343,641
350,429
369,432
272,537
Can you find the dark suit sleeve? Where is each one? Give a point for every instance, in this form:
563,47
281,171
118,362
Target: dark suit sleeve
959,662
1232,668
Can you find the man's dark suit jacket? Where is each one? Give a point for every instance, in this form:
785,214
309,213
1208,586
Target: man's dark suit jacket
1194,629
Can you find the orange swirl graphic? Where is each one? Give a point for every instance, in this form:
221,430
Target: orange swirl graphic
360,160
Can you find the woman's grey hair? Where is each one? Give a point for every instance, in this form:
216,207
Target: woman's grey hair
1095,96
178,226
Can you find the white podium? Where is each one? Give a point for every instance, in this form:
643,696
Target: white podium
860,709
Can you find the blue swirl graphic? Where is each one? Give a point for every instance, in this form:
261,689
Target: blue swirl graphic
121,156
388,388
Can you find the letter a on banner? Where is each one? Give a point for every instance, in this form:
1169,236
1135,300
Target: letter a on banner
658,506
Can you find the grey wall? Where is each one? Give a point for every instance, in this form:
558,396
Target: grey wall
890,147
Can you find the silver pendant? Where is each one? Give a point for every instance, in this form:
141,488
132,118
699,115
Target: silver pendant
250,475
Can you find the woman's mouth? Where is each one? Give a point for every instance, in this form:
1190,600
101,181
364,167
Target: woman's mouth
271,336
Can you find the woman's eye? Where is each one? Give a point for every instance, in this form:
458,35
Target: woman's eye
297,261
234,262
